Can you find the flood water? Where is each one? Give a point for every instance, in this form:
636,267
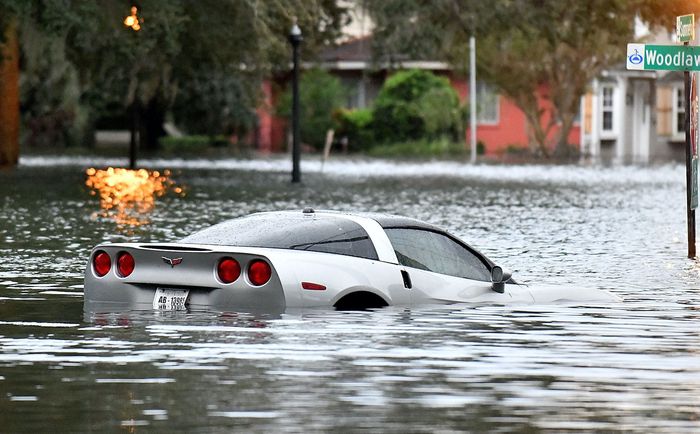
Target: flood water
632,366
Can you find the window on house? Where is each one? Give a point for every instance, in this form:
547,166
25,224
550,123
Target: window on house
678,110
487,104
608,108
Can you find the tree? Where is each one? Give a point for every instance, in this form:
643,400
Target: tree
109,68
9,92
320,96
413,105
524,46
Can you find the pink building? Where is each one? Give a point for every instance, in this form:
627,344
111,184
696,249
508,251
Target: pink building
501,126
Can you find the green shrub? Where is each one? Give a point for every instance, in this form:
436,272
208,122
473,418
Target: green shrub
190,144
356,126
414,105
515,149
420,149
320,95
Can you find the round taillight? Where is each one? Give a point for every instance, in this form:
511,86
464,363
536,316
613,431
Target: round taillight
101,263
125,264
259,272
228,270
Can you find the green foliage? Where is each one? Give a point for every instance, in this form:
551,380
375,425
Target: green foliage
440,148
49,91
416,104
320,96
191,144
355,126
214,103
522,45
204,59
440,111
514,149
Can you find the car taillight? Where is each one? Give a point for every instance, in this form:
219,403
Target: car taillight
228,270
101,263
125,264
259,272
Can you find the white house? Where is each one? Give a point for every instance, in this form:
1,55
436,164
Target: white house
635,116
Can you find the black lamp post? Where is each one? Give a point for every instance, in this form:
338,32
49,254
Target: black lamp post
295,39
133,22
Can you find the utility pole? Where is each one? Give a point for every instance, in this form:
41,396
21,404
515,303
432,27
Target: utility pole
472,97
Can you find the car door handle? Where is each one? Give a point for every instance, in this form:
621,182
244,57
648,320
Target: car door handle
406,279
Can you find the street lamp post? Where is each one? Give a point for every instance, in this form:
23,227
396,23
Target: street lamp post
133,21
295,39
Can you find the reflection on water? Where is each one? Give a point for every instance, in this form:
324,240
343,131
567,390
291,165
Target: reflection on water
632,366
127,196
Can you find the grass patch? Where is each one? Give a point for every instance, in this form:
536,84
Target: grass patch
419,149
191,144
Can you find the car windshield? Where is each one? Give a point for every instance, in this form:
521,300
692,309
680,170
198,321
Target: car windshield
325,234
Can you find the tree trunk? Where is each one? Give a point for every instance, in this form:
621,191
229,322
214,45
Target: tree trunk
151,125
563,149
9,96
536,132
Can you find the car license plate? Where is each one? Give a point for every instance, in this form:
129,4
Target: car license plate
170,299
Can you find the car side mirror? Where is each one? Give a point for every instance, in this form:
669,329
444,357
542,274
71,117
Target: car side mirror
498,284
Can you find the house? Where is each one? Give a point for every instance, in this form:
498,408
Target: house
635,116
501,125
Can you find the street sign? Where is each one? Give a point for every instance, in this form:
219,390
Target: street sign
663,57
685,28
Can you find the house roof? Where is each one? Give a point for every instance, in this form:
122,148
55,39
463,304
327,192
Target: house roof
354,50
671,77
356,54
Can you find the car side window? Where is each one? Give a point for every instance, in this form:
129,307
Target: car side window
431,251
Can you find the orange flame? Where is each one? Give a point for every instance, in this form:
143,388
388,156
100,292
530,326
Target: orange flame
127,196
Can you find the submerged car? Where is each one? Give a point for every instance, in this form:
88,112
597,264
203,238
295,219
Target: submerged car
297,259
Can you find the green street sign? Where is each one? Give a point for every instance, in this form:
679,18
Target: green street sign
663,57
685,28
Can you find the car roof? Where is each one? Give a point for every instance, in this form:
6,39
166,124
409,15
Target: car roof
384,220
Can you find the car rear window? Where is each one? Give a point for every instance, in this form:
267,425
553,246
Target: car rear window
287,231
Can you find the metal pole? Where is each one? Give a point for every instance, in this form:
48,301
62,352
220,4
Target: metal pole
134,132
472,97
688,171
295,39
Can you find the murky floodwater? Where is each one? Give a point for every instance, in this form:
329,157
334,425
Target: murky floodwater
631,366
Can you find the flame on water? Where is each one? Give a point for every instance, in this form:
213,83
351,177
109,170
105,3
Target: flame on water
126,195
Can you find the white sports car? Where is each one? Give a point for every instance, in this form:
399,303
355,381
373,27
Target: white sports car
294,259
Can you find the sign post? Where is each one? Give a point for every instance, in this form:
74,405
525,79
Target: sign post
691,163
679,58
685,29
